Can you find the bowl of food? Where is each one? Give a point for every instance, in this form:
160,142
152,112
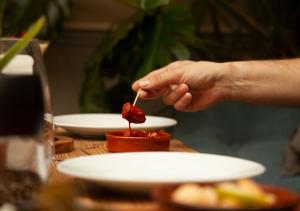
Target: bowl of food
241,195
138,140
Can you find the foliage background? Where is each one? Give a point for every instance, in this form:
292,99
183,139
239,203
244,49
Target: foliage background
162,31
17,15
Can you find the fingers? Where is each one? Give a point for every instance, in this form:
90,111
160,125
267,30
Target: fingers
174,95
184,102
165,82
152,94
169,74
155,85
159,81
179,97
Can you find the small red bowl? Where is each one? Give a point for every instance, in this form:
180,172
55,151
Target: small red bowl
117,142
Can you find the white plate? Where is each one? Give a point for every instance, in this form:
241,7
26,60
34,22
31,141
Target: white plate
139,171
98,124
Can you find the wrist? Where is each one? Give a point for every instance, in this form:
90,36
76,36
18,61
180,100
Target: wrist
231,80
250,81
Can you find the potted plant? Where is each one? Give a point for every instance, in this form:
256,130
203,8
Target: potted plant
159,33
155,35
16,16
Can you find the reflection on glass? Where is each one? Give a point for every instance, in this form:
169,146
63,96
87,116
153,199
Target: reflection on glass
39,69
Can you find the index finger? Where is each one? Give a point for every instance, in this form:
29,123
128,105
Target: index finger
161,77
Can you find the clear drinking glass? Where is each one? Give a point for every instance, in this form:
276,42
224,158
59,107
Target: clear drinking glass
39,69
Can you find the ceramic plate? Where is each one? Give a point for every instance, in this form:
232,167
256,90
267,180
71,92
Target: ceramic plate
142,170
91,125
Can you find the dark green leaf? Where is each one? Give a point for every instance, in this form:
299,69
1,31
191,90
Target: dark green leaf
2,6
19,15
179,21
94,98
163,57
180,51
93,93
149,60
133,3
146,4
155,39
150,4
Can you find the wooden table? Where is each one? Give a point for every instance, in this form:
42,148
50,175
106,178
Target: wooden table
105,200
93,196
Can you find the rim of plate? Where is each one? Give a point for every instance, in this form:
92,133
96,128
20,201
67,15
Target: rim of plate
260,169
58,122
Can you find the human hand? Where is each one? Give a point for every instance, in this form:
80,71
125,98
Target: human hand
187,85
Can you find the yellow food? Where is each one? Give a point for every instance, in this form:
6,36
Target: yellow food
194,194
240,194
229,202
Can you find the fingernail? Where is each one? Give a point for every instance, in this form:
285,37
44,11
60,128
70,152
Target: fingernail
144,84
188,94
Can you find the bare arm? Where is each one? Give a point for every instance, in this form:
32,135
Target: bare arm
266,82
193,86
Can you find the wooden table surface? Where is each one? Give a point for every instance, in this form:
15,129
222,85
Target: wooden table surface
105,200
94,197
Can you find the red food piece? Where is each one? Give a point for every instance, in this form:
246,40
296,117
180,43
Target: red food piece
135,133
133,114
141,133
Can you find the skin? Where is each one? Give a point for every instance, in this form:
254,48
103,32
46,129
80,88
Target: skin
194,86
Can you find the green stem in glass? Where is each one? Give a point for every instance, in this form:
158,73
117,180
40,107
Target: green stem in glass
22,43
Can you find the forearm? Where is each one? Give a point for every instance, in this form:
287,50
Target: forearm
266,82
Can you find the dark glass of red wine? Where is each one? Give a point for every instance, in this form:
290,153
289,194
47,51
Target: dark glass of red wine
23,162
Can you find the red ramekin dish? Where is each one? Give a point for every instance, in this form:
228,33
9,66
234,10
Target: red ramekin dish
117,142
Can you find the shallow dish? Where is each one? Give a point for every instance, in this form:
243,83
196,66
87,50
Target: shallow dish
140,171
287,200
116,142
93,125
